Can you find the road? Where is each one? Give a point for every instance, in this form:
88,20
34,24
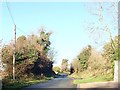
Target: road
63,82
60,82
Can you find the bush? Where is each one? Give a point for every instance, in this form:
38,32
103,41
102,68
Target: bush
56,69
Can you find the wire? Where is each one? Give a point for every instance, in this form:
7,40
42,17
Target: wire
13,19
21,30
10,13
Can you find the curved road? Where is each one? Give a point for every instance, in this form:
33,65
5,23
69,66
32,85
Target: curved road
60,82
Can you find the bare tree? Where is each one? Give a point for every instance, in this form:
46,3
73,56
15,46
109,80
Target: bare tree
105,26
52,54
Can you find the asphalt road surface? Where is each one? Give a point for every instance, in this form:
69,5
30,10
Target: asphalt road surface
60,82
65,83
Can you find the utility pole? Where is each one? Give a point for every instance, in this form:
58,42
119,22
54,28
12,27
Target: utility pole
14,51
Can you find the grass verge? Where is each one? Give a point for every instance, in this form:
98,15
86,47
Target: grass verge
92,79
18,85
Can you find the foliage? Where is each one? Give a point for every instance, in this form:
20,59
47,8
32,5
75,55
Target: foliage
1,65
110,53
84,56
75,66
7,52
31,56
97,63
64,65
100,66
81,62
56,69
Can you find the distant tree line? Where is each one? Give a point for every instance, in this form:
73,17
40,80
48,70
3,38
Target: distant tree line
64,65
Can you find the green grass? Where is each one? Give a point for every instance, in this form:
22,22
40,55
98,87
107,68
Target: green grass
17,85
92,79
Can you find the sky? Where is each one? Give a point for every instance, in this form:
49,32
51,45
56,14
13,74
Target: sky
68,22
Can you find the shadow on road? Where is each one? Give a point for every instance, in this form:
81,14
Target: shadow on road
61,76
